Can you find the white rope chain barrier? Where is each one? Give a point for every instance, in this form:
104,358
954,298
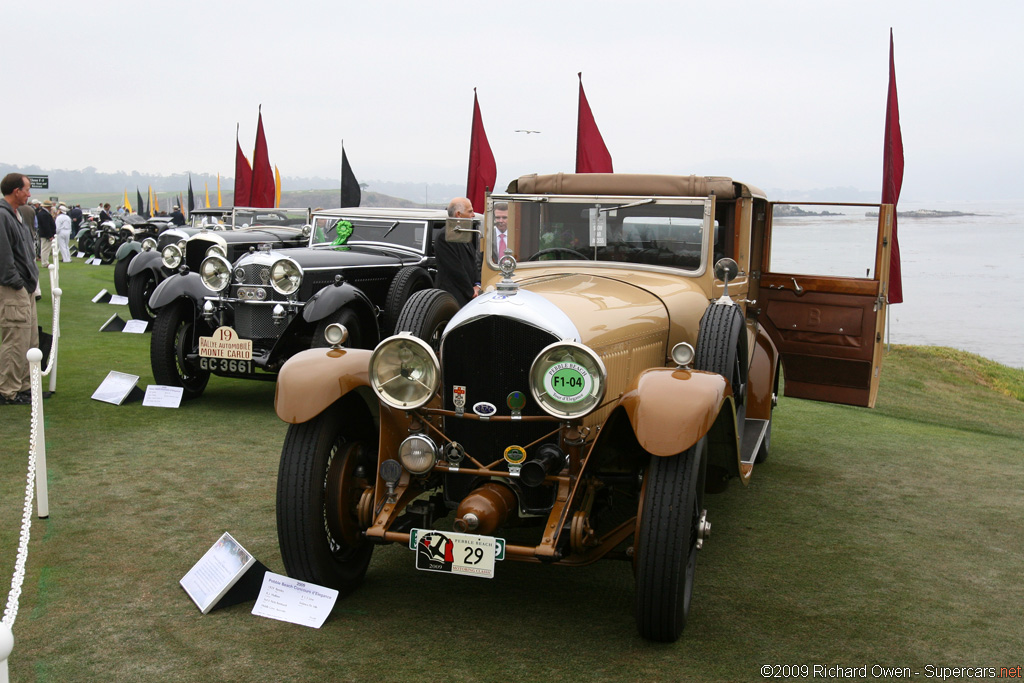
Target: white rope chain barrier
36,434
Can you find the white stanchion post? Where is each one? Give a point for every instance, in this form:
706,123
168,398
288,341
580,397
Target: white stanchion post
6,645
56,291
35,357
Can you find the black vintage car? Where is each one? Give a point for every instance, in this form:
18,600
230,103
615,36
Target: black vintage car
152,266
245,315
130,245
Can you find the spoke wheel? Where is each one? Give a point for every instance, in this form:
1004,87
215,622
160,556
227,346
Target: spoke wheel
322,479
667,542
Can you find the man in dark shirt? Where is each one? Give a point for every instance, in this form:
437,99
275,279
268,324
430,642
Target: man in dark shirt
177,217
458,264
19,276
47,229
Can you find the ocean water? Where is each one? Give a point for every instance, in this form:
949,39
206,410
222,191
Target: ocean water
961,274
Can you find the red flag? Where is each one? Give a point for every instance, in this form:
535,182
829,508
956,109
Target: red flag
482,169
591,154
262,172
243,176
892,175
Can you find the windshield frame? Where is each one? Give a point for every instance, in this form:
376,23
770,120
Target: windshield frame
707,213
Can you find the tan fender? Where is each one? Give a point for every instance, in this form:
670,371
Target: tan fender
312,380
670,410
761,377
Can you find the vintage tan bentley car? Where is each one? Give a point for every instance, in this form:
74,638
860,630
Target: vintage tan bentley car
624,360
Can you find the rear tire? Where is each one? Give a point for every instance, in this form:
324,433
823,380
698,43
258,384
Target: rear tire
426,314
121,274
407,282
140,288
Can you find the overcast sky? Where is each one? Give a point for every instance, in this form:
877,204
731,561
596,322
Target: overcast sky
778,94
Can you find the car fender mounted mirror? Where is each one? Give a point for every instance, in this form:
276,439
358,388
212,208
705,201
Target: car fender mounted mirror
459,230
725,270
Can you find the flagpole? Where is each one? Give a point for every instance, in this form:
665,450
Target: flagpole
341,175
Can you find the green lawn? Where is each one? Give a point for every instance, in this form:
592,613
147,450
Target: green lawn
891,537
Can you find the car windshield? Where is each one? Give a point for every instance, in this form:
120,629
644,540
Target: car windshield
201,219
663,232
244,218
406,233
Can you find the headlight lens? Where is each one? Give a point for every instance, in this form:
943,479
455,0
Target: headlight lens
148,244
567,380
215,272
285,276
404,372
216,250
418,454
171,256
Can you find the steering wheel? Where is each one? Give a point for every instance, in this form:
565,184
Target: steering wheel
553,250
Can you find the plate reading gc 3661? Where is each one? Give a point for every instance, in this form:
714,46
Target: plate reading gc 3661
454,553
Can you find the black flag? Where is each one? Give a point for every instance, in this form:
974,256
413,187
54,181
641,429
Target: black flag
351,195
142,205
191,199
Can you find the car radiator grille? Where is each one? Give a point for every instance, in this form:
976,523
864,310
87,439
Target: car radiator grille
255,322
491,357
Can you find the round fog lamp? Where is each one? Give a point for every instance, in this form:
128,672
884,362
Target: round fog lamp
682,354
336,334
418,454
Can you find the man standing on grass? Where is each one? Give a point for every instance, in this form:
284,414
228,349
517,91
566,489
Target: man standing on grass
19,276
458,263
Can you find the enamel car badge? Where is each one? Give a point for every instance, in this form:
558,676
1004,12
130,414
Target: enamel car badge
515,456
459,399
516,401
484,409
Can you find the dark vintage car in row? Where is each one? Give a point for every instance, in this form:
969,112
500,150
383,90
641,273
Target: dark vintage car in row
624,360
230,230
243,314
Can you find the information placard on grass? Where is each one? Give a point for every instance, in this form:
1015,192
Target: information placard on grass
135,326
298,602
101,297
116,387
163,396
216,572
118,300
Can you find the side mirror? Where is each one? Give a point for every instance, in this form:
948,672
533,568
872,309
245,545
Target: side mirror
459,230
726,269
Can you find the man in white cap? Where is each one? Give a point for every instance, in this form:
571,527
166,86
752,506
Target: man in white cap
64,233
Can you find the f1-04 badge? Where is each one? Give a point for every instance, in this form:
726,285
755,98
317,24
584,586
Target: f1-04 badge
568,382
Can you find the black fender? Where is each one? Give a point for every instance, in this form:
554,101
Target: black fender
127,248
333,298
81,231
177,286
146,260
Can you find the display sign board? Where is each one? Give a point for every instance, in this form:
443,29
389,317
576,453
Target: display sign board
113,324
39,182
116,387
216,572
135,326
103,296
291,600
163,396
118,300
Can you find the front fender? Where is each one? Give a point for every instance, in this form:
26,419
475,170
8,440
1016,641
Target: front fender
670,410
81,231
331,298
127,248
145,260
177,286
312,380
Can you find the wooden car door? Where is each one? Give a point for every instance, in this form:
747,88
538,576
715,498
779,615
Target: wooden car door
824,277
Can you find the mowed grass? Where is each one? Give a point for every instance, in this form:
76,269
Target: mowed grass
892,536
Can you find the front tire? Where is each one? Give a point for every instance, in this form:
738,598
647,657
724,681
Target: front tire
121,274
176,335
667,542
426,314
322,477
140,287
407,282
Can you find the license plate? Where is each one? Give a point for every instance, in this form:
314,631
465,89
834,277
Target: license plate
449,552
229,366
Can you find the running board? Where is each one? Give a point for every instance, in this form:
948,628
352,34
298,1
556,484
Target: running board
753,434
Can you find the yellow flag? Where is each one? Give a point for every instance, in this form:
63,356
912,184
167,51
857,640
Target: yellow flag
152,211
218,190
207,186
127,204
277,186
156,203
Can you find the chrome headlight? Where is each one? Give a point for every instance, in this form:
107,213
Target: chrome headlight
215,272
418,454
404,372
171,256
567,380
216,250
148,244
285,276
